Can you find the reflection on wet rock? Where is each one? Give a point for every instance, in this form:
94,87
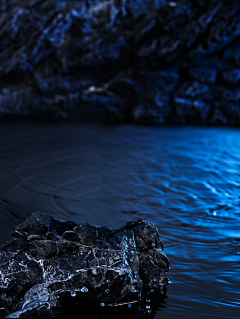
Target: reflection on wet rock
49,262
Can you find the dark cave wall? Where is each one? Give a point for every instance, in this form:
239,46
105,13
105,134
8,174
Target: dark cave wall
121,61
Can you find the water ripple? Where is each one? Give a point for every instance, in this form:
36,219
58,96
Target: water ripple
186,180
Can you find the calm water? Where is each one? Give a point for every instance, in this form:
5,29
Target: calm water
186,180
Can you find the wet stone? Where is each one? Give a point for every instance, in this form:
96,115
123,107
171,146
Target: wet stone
40,276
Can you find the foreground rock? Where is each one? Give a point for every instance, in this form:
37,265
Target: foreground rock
121,61
52,267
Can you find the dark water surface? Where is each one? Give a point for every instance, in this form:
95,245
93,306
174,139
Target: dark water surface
186,180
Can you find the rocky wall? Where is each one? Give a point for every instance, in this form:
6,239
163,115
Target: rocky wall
119,61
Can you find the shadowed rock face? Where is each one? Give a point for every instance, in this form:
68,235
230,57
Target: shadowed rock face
121,61
52,264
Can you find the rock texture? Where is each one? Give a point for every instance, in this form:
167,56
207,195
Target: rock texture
143,61
52,267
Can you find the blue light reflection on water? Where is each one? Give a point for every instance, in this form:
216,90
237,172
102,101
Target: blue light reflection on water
184,179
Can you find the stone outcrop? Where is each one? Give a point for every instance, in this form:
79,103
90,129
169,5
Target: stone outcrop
51,264
121,61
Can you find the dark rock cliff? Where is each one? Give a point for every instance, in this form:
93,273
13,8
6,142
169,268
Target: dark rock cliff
144,61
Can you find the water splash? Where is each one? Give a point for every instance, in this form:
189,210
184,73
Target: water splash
84,289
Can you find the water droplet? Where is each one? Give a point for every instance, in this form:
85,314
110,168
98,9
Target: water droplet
108,280
152,290
129,306
102,304
148,300
149,311
73,293
148,307
107,291
84,289
94,272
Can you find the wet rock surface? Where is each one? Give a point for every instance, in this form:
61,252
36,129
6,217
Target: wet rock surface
54,268
121,61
